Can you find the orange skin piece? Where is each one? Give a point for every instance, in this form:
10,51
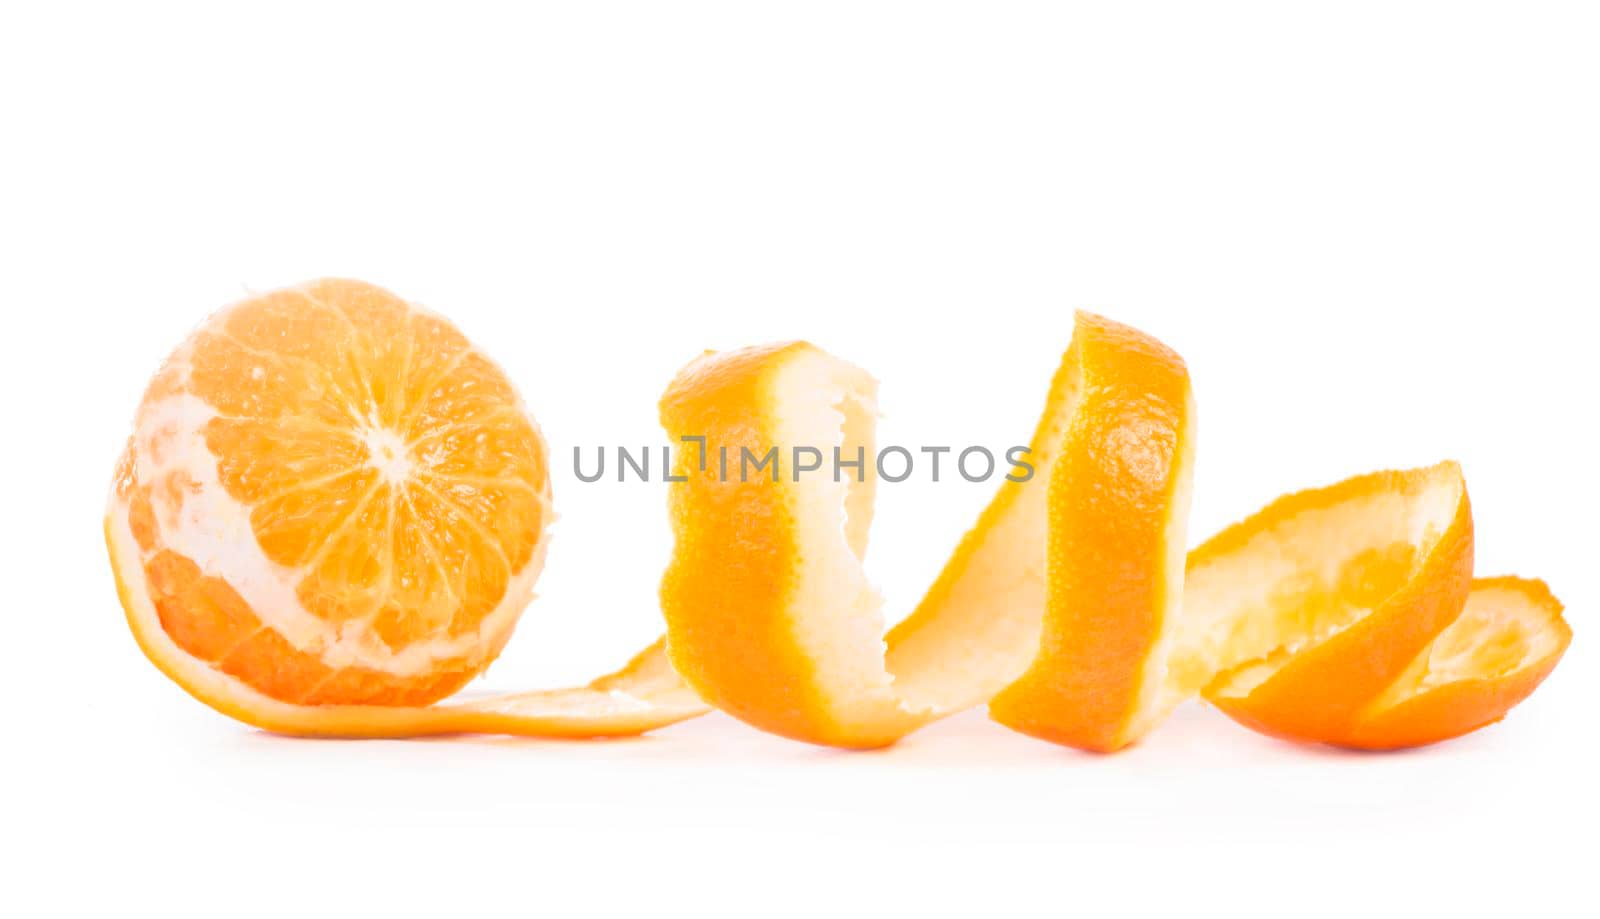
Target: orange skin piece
1115,545
1407,715
733,549
1318,693
539,716
1360,579
769,619
570,713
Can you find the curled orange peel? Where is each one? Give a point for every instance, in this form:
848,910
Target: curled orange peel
1506,640
642,696
1343,615
770,615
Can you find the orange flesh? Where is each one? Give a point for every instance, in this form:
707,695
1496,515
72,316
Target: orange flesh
349,457
333,508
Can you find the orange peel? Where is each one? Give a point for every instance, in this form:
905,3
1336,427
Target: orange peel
770,615
1507,639
1071,605
333,508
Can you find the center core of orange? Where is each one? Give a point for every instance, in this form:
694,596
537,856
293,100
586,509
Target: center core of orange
388,453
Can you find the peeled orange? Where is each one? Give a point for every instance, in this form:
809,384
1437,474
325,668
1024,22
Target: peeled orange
331,513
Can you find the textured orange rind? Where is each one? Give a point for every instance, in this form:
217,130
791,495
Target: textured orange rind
1071,605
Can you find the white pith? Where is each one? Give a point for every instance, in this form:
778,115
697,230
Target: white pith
388,453
830,404
1229,620
975,638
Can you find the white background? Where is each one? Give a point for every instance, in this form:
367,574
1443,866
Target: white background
1371,228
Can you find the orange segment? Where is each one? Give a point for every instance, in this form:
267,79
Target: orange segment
331,513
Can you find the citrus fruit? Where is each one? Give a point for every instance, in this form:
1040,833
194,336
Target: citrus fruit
331,513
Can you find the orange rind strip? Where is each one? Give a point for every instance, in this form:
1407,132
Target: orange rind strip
1299,617
1506,640
1343,615
1071,605
770,615
642,696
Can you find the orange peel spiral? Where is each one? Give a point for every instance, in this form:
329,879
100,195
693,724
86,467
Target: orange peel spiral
333,509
